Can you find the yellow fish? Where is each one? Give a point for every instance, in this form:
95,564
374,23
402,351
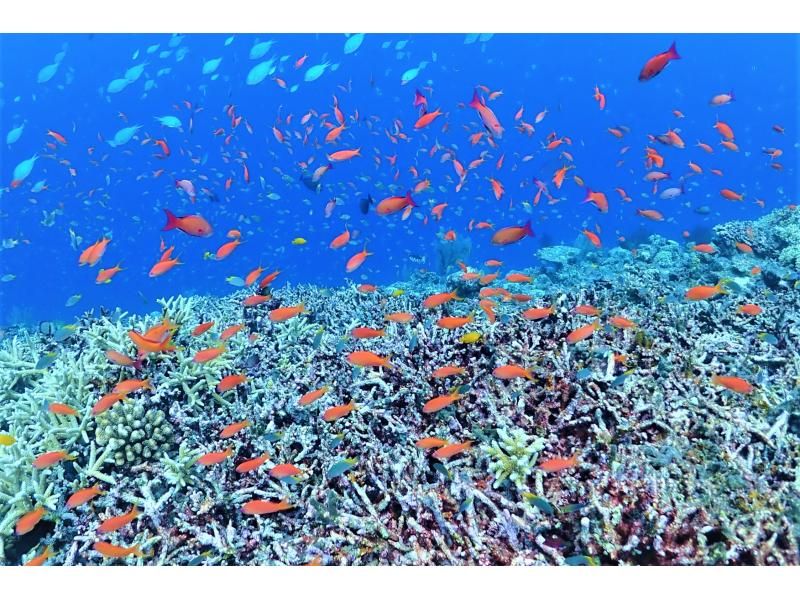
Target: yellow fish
398,292
7,440
471,337
299,241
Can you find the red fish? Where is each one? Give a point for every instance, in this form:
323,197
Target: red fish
487,116
194,224
657,63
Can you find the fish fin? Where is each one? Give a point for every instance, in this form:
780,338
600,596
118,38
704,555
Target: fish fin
172,220
673,52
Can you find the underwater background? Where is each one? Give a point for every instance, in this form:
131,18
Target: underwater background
113,191
379,299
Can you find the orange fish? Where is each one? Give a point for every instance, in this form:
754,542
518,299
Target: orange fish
731,195
447,371
487,116
733,383
337,411
229,382
538,313
84,495
453,322
113,551
28,521
364,332
430,442
343,155
651,214
92,254
598,199
226,249
105,275
255,300
582,333
57,136
340,240
194,225
586,310
511,371
145,345
61,409
355,261
439,299
426,119
368,359
599,97
206,355
51,458
593,238
442,401
284,470
252,276
213,458
107,402
40,559
620,322
512,234
265,507
132,385
702,292
281,314
234,428
112,524
252,464
518,277
704,248
750,309
558,464
400,317
313,395
451,450
120,359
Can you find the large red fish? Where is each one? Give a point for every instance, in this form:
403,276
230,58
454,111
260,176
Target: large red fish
194,224
657,63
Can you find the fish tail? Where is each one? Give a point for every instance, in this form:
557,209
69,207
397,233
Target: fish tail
172,220
673,52
528,230
475,102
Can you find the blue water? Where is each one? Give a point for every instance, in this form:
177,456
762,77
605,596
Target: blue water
556,72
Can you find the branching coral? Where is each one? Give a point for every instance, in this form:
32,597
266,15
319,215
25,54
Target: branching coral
513,457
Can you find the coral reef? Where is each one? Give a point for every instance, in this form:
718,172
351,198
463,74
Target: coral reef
669,466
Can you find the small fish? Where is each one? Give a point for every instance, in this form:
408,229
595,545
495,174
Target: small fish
265,507
214,458
83,496
117,522
113,551
451,450
558,464
234,428
340,467
28,521
51,458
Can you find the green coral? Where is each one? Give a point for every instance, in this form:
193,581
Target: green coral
137,434
180,470
513,457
